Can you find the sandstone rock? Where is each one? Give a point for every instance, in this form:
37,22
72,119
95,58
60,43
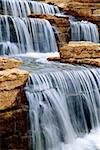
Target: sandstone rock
8,98
79,50
81,53
11,81
12,78
8,63
93,62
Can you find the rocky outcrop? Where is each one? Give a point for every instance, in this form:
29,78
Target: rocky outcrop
61,27
13,105
81,53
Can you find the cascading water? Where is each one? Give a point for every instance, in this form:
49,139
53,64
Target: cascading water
64,101
84,31
24,8
64,106
25,35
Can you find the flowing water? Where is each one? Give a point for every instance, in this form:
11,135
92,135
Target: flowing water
84,31
64,105
23,8
64,100
22,35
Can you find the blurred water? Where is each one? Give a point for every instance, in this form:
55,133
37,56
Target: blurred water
84,31
22,35
23,8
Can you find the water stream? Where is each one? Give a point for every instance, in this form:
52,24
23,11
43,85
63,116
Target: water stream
64,100
84,31
64,105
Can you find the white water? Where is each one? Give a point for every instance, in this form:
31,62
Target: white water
23,8
84,31
64,104
24,35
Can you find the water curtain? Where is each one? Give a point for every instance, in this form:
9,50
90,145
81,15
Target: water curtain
63,107
22,35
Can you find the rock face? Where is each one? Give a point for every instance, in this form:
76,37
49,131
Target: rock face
61,26
81,53
13,110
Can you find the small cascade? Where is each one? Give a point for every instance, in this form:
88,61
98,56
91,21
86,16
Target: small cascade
84,31
23,8
64,105
25,35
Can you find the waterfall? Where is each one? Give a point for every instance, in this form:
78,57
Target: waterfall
84,31
22,35
64,106
23,8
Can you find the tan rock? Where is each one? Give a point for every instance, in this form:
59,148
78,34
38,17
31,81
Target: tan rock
12,78
11,81
93,62
8,98
8,63
78,50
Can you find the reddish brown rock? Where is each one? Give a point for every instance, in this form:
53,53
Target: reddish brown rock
14,129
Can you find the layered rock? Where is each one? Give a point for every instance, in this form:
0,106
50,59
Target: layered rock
81,53
83,9
61,26
13,105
